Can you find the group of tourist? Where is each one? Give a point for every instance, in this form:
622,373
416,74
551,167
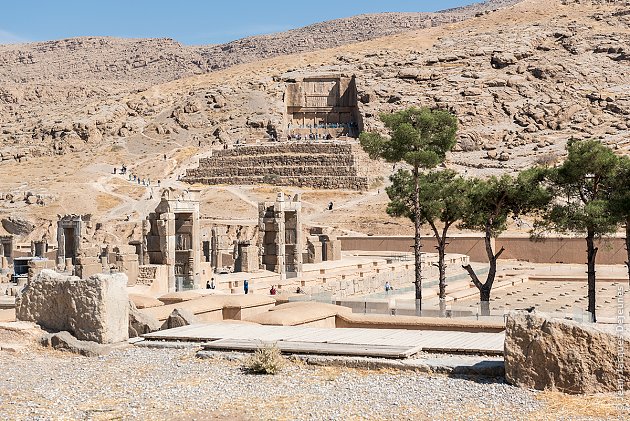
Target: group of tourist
310,136
136,179
350,125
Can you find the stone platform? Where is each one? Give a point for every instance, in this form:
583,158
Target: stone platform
386,343
321,165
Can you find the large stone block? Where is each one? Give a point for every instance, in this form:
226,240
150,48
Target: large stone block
332,250
92,267
249,260
93,309
556,354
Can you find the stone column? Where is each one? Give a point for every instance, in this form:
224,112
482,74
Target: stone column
214,249
144,249
196,251
166,232
61,244
69,265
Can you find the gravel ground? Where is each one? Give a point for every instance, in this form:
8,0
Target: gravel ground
141,383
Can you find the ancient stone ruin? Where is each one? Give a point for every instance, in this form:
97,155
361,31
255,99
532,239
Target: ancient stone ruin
321,246
70,231
93,309
6,252
280,236
316,165
322,104
318,108
171,238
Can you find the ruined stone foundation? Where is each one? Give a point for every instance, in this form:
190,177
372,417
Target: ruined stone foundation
315,165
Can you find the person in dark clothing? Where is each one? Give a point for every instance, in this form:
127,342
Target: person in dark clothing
246,286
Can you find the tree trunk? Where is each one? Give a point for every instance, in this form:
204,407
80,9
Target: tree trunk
628,247
416,243
442,270
591,251
492,260
484,300
442,266
486,288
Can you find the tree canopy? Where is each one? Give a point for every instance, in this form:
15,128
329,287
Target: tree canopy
443,197
583,185
421,137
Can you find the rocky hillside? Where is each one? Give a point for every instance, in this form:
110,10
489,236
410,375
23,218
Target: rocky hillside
47,82
338,32
521,80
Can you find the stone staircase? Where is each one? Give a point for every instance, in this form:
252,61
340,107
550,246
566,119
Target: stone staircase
323,165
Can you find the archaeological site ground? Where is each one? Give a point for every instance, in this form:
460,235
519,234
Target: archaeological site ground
177,220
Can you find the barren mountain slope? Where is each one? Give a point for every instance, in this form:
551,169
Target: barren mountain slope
521,80
42,83
338,32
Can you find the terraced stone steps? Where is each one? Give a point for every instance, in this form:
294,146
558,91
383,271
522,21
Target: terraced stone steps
323,165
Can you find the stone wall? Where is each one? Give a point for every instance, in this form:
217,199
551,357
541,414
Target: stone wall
551,250
93,309
316,165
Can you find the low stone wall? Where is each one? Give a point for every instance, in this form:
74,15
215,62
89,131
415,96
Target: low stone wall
288,147
256,161
154,278
379,321
94,309
551,250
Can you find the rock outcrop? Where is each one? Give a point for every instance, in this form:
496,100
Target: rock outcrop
555,354
64,341
94,309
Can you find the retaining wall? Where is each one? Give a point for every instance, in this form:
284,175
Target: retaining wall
551,250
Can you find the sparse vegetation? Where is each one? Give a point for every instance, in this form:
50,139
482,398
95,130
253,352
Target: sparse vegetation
546,159
267,359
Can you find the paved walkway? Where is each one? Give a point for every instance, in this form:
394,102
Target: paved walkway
388,343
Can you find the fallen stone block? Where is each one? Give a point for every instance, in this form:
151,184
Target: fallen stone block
140,323
93,309
545,353
64,341
178,318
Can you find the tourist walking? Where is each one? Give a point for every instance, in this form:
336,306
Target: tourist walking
246,286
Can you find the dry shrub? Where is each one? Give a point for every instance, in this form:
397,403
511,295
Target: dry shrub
546,160
267,359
